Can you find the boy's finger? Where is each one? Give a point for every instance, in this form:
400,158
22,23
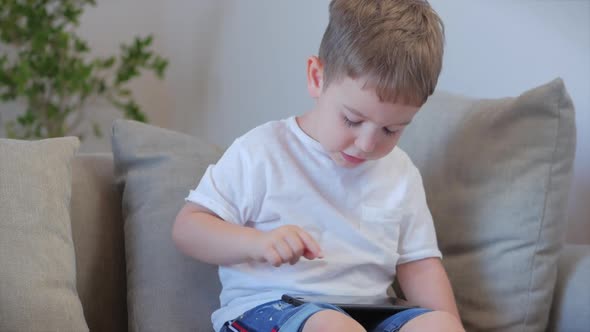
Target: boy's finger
273,258
294,260
310,255
312,248
284,251
297,245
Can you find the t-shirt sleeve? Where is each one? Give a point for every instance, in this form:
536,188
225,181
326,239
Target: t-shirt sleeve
226,187
417,236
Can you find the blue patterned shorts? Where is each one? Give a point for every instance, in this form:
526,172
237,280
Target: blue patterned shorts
281,316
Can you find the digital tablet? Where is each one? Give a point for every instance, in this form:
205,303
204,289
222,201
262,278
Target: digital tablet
383,304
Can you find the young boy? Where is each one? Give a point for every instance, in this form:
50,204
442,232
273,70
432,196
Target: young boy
328,192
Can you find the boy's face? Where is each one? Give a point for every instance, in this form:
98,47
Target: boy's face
350,121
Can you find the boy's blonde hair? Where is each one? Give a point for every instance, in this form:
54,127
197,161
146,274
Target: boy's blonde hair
397,45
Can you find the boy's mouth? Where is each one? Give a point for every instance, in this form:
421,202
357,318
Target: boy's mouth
351,159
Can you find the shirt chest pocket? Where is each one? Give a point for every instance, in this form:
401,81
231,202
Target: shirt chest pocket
381,226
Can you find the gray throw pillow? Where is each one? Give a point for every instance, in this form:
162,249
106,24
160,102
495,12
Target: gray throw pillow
37,260
497,175
166,291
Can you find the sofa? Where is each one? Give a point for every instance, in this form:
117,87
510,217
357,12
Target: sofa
85,238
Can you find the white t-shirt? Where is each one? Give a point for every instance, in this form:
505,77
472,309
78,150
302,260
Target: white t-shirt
366,219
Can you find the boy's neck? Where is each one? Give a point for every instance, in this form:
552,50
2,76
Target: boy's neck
305,126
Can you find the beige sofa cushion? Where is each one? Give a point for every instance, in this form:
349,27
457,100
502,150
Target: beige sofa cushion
497,173
37,262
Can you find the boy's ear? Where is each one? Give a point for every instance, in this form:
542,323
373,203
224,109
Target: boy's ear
315,76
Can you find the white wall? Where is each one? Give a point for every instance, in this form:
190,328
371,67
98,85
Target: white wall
235,64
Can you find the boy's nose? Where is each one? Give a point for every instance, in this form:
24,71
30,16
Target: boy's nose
367,142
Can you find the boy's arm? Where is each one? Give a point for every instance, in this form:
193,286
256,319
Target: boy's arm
201,235
425,283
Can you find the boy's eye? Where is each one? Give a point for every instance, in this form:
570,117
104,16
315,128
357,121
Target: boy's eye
389,132
350,123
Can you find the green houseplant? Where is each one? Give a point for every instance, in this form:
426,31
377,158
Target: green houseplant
44,63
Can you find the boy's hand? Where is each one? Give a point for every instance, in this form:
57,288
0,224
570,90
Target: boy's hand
286,244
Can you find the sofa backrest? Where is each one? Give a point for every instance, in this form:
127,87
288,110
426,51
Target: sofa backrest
97,227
